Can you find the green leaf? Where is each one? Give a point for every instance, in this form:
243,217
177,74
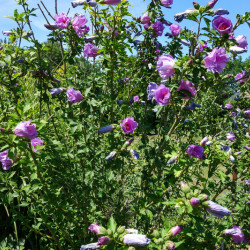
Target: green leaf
112,224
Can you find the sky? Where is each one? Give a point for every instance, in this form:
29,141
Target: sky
137,9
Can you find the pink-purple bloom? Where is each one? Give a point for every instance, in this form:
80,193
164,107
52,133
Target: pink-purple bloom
236,234
56,91
247,113
228,106
242,41
165,66
212,3
231,136
5,160
167,3
204,140
62,20
78,25
26,130
128,125
240,76
175,230
216,60
222,24
158,28
35,142
111,2
162,95
90,50
74,95
171,245
136,98
136,239
196,151
145,19
233,114
175,29
94,228
194,202
187,86
104,240
216,209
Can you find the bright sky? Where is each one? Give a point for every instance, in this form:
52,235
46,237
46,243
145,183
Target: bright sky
137,9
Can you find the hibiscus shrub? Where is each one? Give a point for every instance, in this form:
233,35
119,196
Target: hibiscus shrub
134,139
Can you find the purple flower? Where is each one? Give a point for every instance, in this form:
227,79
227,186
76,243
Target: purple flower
78,25
246,147
222,24
196,151
175,230
51,26
236,234
136,98
171,245
203,141
126,79
5,160
228,106
90,38
231,136
220,12
62,20
212,3
237,50
216,60
128,125
111,156
216,209
25,130
165,66
90,246
233,114
242,41
246,182
239,153
145,19
111,2
162,95
240,76
187,86
167,3
194,202
158,28
180,16
35,142
56,91
175,29
106,129
193,105
136,239
74,95
90,50
150,89
134,154
104,240
94,228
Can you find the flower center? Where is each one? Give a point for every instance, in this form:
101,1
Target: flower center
223,27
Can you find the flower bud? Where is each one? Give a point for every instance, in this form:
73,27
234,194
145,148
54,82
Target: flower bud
203,197
185,188
212,3
175,230
121,229
134,154
110,156
171,245
196,5
91,246
136,239
106,129
104,240
194,202
216,209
